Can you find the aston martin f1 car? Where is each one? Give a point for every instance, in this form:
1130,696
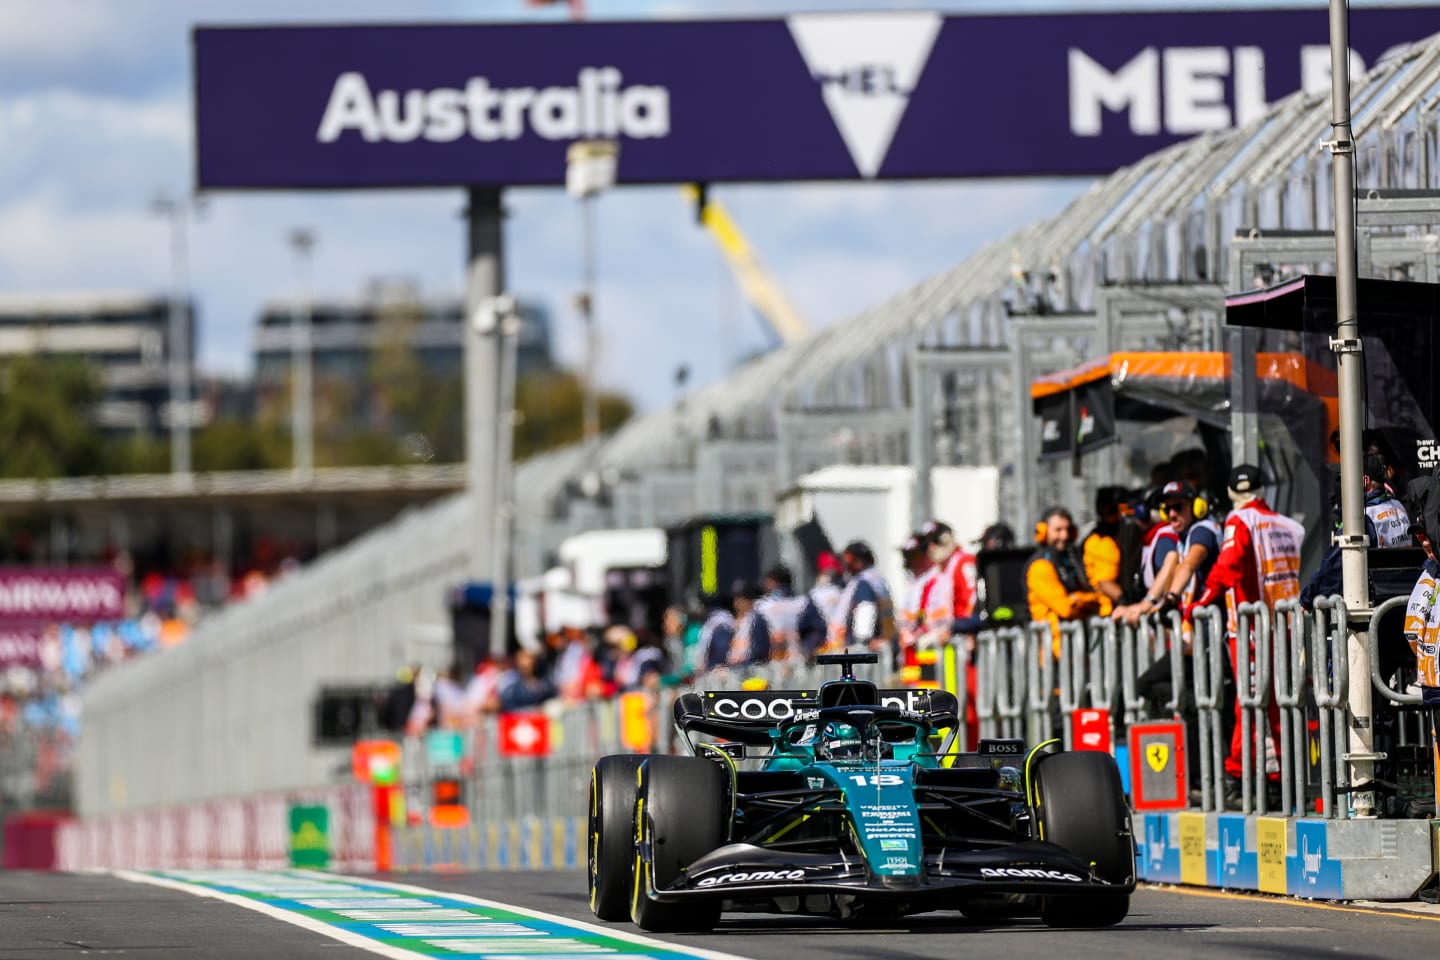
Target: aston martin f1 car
859,808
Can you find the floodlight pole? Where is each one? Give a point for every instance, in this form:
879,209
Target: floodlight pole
178,349
302,389
589,171
591,420
1350,366
506,333
484,281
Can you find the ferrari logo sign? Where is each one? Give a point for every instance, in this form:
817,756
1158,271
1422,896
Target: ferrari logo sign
524,735
1158,756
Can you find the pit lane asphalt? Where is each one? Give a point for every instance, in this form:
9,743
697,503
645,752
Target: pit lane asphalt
54,915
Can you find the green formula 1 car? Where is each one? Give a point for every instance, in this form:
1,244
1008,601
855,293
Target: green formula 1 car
859,808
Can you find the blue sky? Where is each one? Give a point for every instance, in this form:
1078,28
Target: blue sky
95,121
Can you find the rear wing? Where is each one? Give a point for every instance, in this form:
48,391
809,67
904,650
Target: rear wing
748,716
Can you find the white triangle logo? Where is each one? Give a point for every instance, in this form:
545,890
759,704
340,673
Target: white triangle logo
866,65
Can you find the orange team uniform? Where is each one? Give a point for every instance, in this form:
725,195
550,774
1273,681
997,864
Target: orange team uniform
1101,553
1057,591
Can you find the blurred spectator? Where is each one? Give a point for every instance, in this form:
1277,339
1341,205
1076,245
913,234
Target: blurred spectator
1100,550
954,593
782,611
449,694
640,664
577,673
1387,523
825,594
482,691
716,633
680,642
910,617
1159,558
399,699
997,536
866,615
524,686
751,643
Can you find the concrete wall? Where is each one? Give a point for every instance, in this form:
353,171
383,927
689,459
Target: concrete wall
230,712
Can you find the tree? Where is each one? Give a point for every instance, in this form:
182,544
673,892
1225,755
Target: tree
551,406
46,429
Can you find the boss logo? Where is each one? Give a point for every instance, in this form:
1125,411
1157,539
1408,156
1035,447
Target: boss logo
1001,748
755,876
1003,873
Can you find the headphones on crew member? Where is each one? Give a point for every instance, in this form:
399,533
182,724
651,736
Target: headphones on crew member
1042,529
1199,506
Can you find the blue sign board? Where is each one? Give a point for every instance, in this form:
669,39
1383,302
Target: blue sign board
1313,874
1160,860
1239,867
810,97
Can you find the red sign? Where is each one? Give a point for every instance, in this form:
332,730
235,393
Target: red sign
524,735
1159,773
1090,730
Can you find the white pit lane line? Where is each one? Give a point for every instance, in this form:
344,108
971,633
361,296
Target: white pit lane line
369,945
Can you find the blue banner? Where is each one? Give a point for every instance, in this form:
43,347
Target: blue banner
811,97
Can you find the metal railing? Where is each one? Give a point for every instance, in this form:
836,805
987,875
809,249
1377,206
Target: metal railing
1292,668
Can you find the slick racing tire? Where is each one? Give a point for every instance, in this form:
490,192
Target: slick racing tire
610,846
682,812
1080,806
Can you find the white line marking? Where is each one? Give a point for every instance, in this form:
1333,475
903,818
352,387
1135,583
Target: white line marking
607,931
397,953
287,916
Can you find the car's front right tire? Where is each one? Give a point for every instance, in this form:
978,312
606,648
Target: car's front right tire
610,847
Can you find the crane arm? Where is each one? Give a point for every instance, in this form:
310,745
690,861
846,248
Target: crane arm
760,288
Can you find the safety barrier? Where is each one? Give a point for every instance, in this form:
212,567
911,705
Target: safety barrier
1330,672
1258,750
1207,654
1288,636
233,833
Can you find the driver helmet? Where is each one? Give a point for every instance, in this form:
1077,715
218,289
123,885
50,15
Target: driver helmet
841,742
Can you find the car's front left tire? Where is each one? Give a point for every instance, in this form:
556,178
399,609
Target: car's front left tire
1080,805
682,812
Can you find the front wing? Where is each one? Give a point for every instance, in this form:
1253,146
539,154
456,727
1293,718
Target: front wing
742,870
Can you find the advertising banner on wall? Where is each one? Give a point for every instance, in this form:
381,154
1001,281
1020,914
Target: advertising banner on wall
48,595
22,646
861,96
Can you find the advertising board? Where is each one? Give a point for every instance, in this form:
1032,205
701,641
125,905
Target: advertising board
862,96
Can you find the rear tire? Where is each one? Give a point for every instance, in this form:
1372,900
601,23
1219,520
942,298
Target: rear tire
682,811
610,839
1081,807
